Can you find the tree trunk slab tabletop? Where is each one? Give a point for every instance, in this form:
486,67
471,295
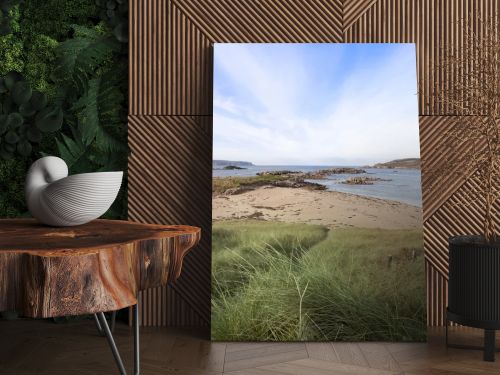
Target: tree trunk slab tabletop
99,266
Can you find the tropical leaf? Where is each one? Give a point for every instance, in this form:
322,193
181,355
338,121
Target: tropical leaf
75,153
80,56
82,158
49,119
98,112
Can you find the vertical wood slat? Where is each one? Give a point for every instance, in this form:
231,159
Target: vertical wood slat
164,46
437,295
171,75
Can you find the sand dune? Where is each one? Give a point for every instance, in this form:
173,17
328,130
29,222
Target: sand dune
329,208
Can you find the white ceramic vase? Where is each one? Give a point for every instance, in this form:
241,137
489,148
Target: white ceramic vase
56,199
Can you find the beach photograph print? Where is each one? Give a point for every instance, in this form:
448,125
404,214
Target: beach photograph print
316,196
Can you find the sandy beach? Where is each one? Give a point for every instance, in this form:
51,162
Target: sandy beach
329,208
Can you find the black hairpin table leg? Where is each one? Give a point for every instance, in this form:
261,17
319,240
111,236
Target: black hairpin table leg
113,323
102,324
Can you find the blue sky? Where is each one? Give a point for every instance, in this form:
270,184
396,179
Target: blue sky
315,104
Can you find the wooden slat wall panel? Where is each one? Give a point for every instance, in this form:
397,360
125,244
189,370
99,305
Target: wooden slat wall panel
175,60
437,295
171,106
148,59
264,21
171,165
189,69
353,10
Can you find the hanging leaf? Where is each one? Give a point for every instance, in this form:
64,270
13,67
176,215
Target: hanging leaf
27,109
11,137
24,148
5,29
49,119
3,88
9,147
33,134
4,154
82,55
75,153
38,100
3,124
14,120
98,113
21,92
8,105
11,78
121,32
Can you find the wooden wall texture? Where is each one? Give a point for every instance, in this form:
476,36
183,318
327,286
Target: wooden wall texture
170,116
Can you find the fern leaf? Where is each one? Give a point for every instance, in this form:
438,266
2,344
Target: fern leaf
73,152
80,56
98,114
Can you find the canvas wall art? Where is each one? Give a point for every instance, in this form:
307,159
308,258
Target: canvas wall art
317,208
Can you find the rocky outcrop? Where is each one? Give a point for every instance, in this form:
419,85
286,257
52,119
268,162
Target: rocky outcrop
278,173
324,173
299,184
316,175
362,180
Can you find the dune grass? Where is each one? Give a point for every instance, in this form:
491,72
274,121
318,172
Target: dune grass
221,184
287,282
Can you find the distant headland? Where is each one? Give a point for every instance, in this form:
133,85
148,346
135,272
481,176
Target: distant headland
408,163
230,164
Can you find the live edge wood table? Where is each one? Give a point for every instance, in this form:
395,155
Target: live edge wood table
89,269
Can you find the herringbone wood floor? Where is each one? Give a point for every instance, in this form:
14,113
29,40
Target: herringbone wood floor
42,347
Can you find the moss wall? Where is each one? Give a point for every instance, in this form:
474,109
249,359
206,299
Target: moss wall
63,91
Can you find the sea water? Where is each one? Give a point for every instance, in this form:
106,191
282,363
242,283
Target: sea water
403,185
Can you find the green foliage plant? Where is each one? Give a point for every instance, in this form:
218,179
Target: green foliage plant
24,116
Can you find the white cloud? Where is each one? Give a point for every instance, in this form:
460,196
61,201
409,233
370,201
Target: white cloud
373,118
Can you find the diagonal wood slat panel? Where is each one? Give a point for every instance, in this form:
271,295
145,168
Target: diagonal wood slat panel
459,215
189,69
436,189
431,25
353,9
448,211
264,21
171,185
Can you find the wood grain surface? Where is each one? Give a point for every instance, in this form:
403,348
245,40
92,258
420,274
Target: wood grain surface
99,266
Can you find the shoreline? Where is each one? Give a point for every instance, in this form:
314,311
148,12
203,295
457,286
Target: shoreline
324,207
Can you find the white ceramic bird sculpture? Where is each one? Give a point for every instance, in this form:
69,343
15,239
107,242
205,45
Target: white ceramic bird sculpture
56,199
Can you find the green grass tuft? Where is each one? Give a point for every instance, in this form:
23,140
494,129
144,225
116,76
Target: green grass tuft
221,184
287,282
